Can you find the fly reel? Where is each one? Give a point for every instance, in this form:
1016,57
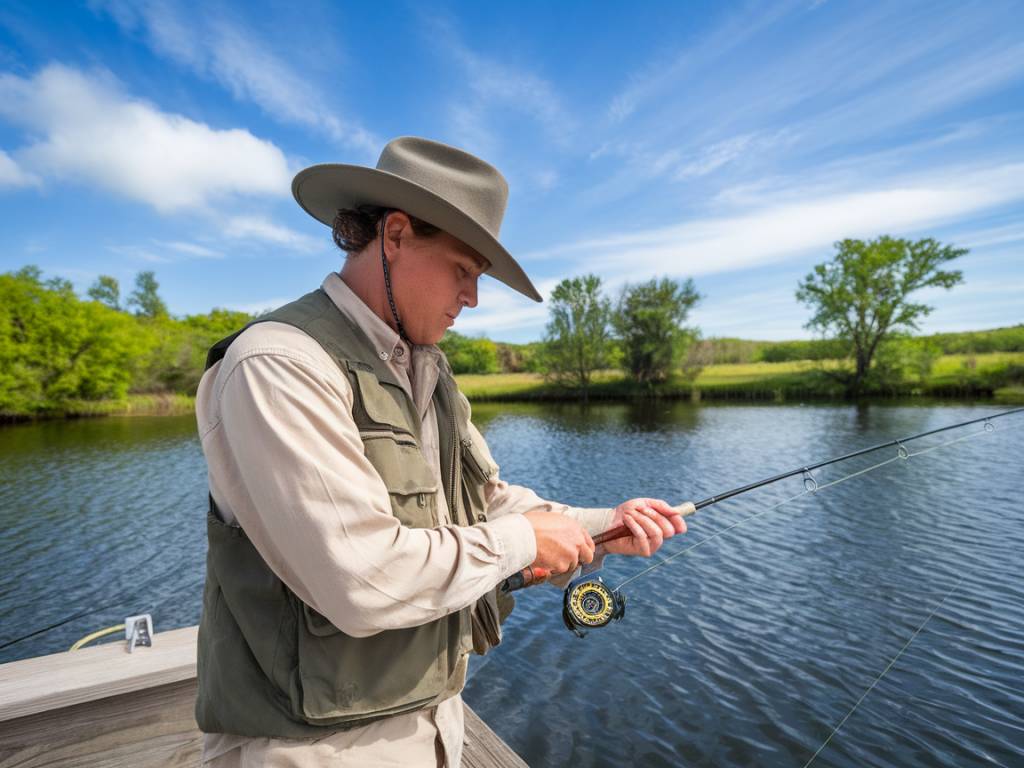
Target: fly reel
589,603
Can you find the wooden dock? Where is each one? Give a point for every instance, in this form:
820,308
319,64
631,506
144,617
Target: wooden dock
105,708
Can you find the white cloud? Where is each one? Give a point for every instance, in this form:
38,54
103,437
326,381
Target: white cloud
771,314
500,309
222,49
773,234
191,249
13,176
89,130
263,229
992,236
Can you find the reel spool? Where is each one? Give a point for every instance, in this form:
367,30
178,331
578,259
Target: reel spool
589,603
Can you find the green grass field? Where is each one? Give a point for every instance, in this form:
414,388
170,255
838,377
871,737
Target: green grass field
966,374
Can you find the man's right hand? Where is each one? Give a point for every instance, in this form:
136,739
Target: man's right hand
562,543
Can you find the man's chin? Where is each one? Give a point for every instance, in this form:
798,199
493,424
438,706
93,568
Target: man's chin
427,339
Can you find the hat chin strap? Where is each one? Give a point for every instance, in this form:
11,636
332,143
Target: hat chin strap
387,285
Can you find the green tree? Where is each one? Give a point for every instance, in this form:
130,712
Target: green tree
902,361
577,340
145,298
55,348
649,322
106,290
862,294
469,355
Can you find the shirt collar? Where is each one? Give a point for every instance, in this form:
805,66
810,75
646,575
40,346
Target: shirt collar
385,340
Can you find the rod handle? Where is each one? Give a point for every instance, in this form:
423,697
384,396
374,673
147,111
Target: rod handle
530,576
621,531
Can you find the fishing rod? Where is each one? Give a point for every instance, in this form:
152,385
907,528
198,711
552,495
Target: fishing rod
588,603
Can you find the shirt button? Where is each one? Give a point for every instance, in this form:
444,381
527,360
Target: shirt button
383,356
399,352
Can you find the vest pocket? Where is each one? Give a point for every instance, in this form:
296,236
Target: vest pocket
411,485
345,679
478,472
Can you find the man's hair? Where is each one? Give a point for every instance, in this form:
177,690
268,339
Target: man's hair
355,228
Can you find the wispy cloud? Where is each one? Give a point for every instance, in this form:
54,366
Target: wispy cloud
775,233
193,250
494,90
848,82
772,314
664,71
13,176
501,310
262,229
221,48
84,128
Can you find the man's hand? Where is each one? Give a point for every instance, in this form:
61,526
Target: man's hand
562,543
650,521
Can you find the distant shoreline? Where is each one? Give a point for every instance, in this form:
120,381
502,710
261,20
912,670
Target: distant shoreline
955,377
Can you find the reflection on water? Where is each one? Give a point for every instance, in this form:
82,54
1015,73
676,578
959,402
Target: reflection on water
746,652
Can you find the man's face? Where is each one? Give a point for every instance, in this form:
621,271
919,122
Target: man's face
432,279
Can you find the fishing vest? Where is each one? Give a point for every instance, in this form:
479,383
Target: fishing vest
271,666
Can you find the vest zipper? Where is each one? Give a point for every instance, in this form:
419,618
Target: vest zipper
456,443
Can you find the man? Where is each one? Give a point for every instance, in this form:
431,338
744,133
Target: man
358,528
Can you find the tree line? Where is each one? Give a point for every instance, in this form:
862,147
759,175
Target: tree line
861,300
56,347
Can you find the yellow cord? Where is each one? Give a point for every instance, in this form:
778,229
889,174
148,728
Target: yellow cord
95,635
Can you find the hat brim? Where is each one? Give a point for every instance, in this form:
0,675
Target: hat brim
322,190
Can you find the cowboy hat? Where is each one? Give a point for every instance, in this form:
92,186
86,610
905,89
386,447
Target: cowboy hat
444,186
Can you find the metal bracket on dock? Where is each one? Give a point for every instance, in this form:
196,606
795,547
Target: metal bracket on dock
138,630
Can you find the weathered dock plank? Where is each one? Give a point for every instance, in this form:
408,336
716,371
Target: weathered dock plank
105,708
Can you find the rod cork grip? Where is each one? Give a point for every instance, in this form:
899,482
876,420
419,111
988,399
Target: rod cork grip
685,509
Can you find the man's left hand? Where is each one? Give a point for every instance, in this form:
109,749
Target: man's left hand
650,521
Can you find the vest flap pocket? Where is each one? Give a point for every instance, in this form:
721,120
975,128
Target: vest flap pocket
400,464
477,460
379,405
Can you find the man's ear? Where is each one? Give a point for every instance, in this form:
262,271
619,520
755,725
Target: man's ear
397,228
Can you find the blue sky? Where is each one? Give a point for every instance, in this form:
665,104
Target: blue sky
730,142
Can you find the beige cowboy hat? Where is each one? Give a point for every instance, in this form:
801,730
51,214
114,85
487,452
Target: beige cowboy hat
441,185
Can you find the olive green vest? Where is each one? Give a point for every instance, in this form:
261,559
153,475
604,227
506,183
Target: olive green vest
268,664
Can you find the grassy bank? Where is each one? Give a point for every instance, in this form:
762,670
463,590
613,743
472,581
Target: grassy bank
951,376
997,375
162,404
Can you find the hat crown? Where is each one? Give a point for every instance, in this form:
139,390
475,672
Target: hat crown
464,180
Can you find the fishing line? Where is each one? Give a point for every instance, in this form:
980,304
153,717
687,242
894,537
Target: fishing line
884,671
811,486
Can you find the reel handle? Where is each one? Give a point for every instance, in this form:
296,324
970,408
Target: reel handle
530,575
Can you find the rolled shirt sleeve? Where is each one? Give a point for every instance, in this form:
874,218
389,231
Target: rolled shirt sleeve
287,462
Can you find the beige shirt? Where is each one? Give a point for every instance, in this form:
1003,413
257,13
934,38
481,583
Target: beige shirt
286,463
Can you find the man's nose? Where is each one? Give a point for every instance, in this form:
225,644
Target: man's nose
469,294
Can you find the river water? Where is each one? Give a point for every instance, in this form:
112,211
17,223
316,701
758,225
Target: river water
747,651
